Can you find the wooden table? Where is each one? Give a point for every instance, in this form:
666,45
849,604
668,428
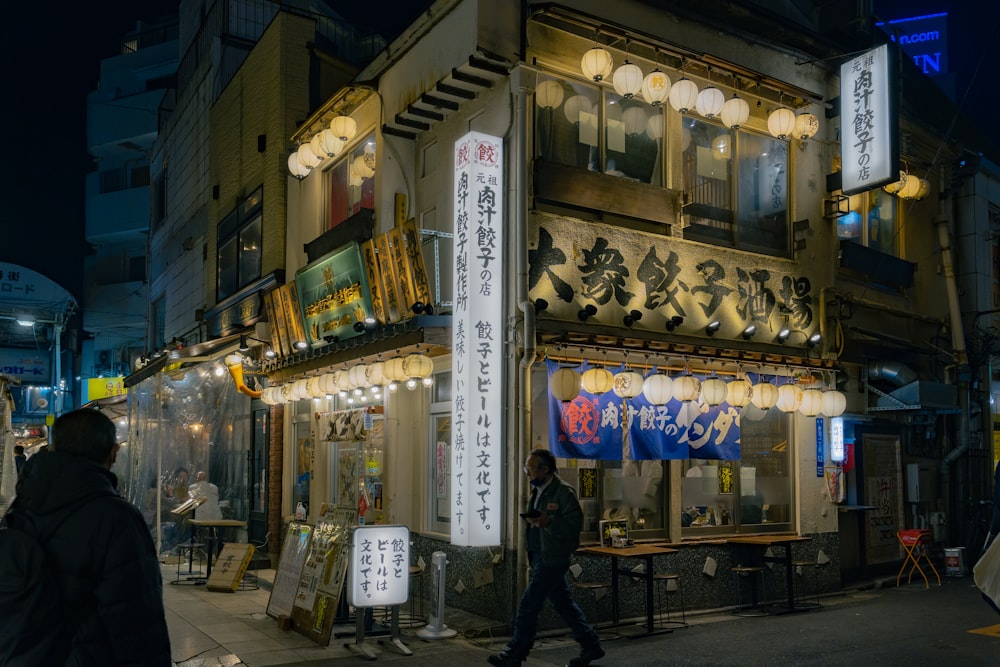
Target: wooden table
646,554
213,536
785,541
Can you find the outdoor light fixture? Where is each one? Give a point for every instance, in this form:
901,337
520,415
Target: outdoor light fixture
633,317
331,339
712,327
749,331
344,127
421,308
301,344
587,312
683,95
596,64
781,122
783,334
674,322
709,102
540,306
25,320
244,345
735,112
814,340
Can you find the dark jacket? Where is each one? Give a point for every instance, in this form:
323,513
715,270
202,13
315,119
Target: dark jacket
103,560
557,541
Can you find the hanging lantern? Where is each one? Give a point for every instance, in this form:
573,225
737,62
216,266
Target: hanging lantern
789,397
734,112
375,374
684,95
418,366
806,125
655,87
713,391
549,94
576,105
634,119
344,381
286,392
596,64
686,388
295,167
812,402
393,370
709,102
358,375
271,396
597,381
344,127
307,158
833,403
913,188
328,383
326,143
738,392
925,187
564,385
362,168
658,389
896,186
314,388
300,389
781,123
627,80
764,395
628,384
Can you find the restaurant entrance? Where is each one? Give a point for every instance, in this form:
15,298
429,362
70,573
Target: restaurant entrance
257,472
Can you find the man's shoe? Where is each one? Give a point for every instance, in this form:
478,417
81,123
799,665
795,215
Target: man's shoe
588,655
504,659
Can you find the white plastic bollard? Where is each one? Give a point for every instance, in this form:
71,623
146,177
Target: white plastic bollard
436,628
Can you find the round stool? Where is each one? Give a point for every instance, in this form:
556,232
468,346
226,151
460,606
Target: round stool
594,587
800,596
663,583
752,573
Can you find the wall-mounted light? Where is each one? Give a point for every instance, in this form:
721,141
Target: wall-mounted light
421,308
712,327
633,317
674,322
749,331
301,345
331,339
244,345
814,340
783,335
587,312
540,306
25,320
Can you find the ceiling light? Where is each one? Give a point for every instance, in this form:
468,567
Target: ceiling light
25,320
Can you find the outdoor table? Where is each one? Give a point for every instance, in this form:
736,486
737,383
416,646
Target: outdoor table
646,554
785,541
213,535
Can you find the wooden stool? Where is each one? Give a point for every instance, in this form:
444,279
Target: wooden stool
662,583
744,571
593,587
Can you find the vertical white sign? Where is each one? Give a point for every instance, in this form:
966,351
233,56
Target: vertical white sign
380,566
837,439
477,342
867,115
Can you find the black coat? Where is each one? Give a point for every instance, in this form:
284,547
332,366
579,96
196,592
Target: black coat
103,559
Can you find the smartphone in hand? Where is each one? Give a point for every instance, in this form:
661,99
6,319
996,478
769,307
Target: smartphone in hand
530,515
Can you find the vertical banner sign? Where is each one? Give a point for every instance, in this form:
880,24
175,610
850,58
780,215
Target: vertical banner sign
477,338
868,148
820,432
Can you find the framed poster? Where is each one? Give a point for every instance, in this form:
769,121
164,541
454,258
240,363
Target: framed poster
286,579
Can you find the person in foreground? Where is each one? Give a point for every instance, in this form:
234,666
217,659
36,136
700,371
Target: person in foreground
100,553
554,521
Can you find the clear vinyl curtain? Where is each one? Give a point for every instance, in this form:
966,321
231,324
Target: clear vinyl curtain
182,423
8,469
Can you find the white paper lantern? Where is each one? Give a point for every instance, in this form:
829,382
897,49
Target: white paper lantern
806,125
634,119
564,384
684,95
628,384
549,94
655,87
361,167
812,402
295,167
764,395
789,397
344,127
287,392
658,389
781,123
270,396
314,388
576,105
834,403
627,80
300,389
709,102
597,381
327,143
376,374
307,158
328,383
344,381
686,388
738,392
734,112
358,376
393,370
596,64
713,391
418,366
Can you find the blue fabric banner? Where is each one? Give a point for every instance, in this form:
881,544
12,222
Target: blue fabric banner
588,427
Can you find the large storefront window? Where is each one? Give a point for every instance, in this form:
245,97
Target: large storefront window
351,183
440,455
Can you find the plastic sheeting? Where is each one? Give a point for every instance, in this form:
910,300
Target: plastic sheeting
183,422
8,469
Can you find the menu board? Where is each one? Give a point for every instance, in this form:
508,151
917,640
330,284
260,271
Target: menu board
286,579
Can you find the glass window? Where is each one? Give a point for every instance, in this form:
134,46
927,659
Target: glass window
706,159
302,464
871,221
439,512
351,182
239,246
762,176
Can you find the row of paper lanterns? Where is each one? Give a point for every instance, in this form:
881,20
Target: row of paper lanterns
565,384
656,88
324,144
409,369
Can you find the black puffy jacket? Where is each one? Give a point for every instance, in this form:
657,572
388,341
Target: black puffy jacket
103,559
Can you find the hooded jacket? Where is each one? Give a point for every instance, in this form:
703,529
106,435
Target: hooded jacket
102,558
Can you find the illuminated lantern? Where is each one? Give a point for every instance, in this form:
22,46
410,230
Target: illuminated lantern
627,80
295,168
376,374
655,87
358,376
764,395
328,383
393,370
654,126
307,158
300,389
597,381
344,381
287,392
313,386
596,64
781,123
709,102
806,125
344,127
834,403
683,95
738,392
734,112
564,385
789,397
686,388
418,366
812,402
713,391
271,396
628,384
658,389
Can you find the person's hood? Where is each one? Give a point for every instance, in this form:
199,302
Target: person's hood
52,482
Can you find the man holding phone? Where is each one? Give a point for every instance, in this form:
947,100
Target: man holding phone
554,521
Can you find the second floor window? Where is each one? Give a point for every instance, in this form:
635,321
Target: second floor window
239,254
352,183
871,221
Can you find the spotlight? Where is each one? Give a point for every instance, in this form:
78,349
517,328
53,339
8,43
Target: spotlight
749,331
540,305
632,317
421,308
783,335
359,327
269,353
301,344
587,312
814,340
244,346
713,327
331,339
674,322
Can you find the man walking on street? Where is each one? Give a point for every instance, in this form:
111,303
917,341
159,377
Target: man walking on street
98,552
554,521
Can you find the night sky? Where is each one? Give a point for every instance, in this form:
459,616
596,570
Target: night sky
50,60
